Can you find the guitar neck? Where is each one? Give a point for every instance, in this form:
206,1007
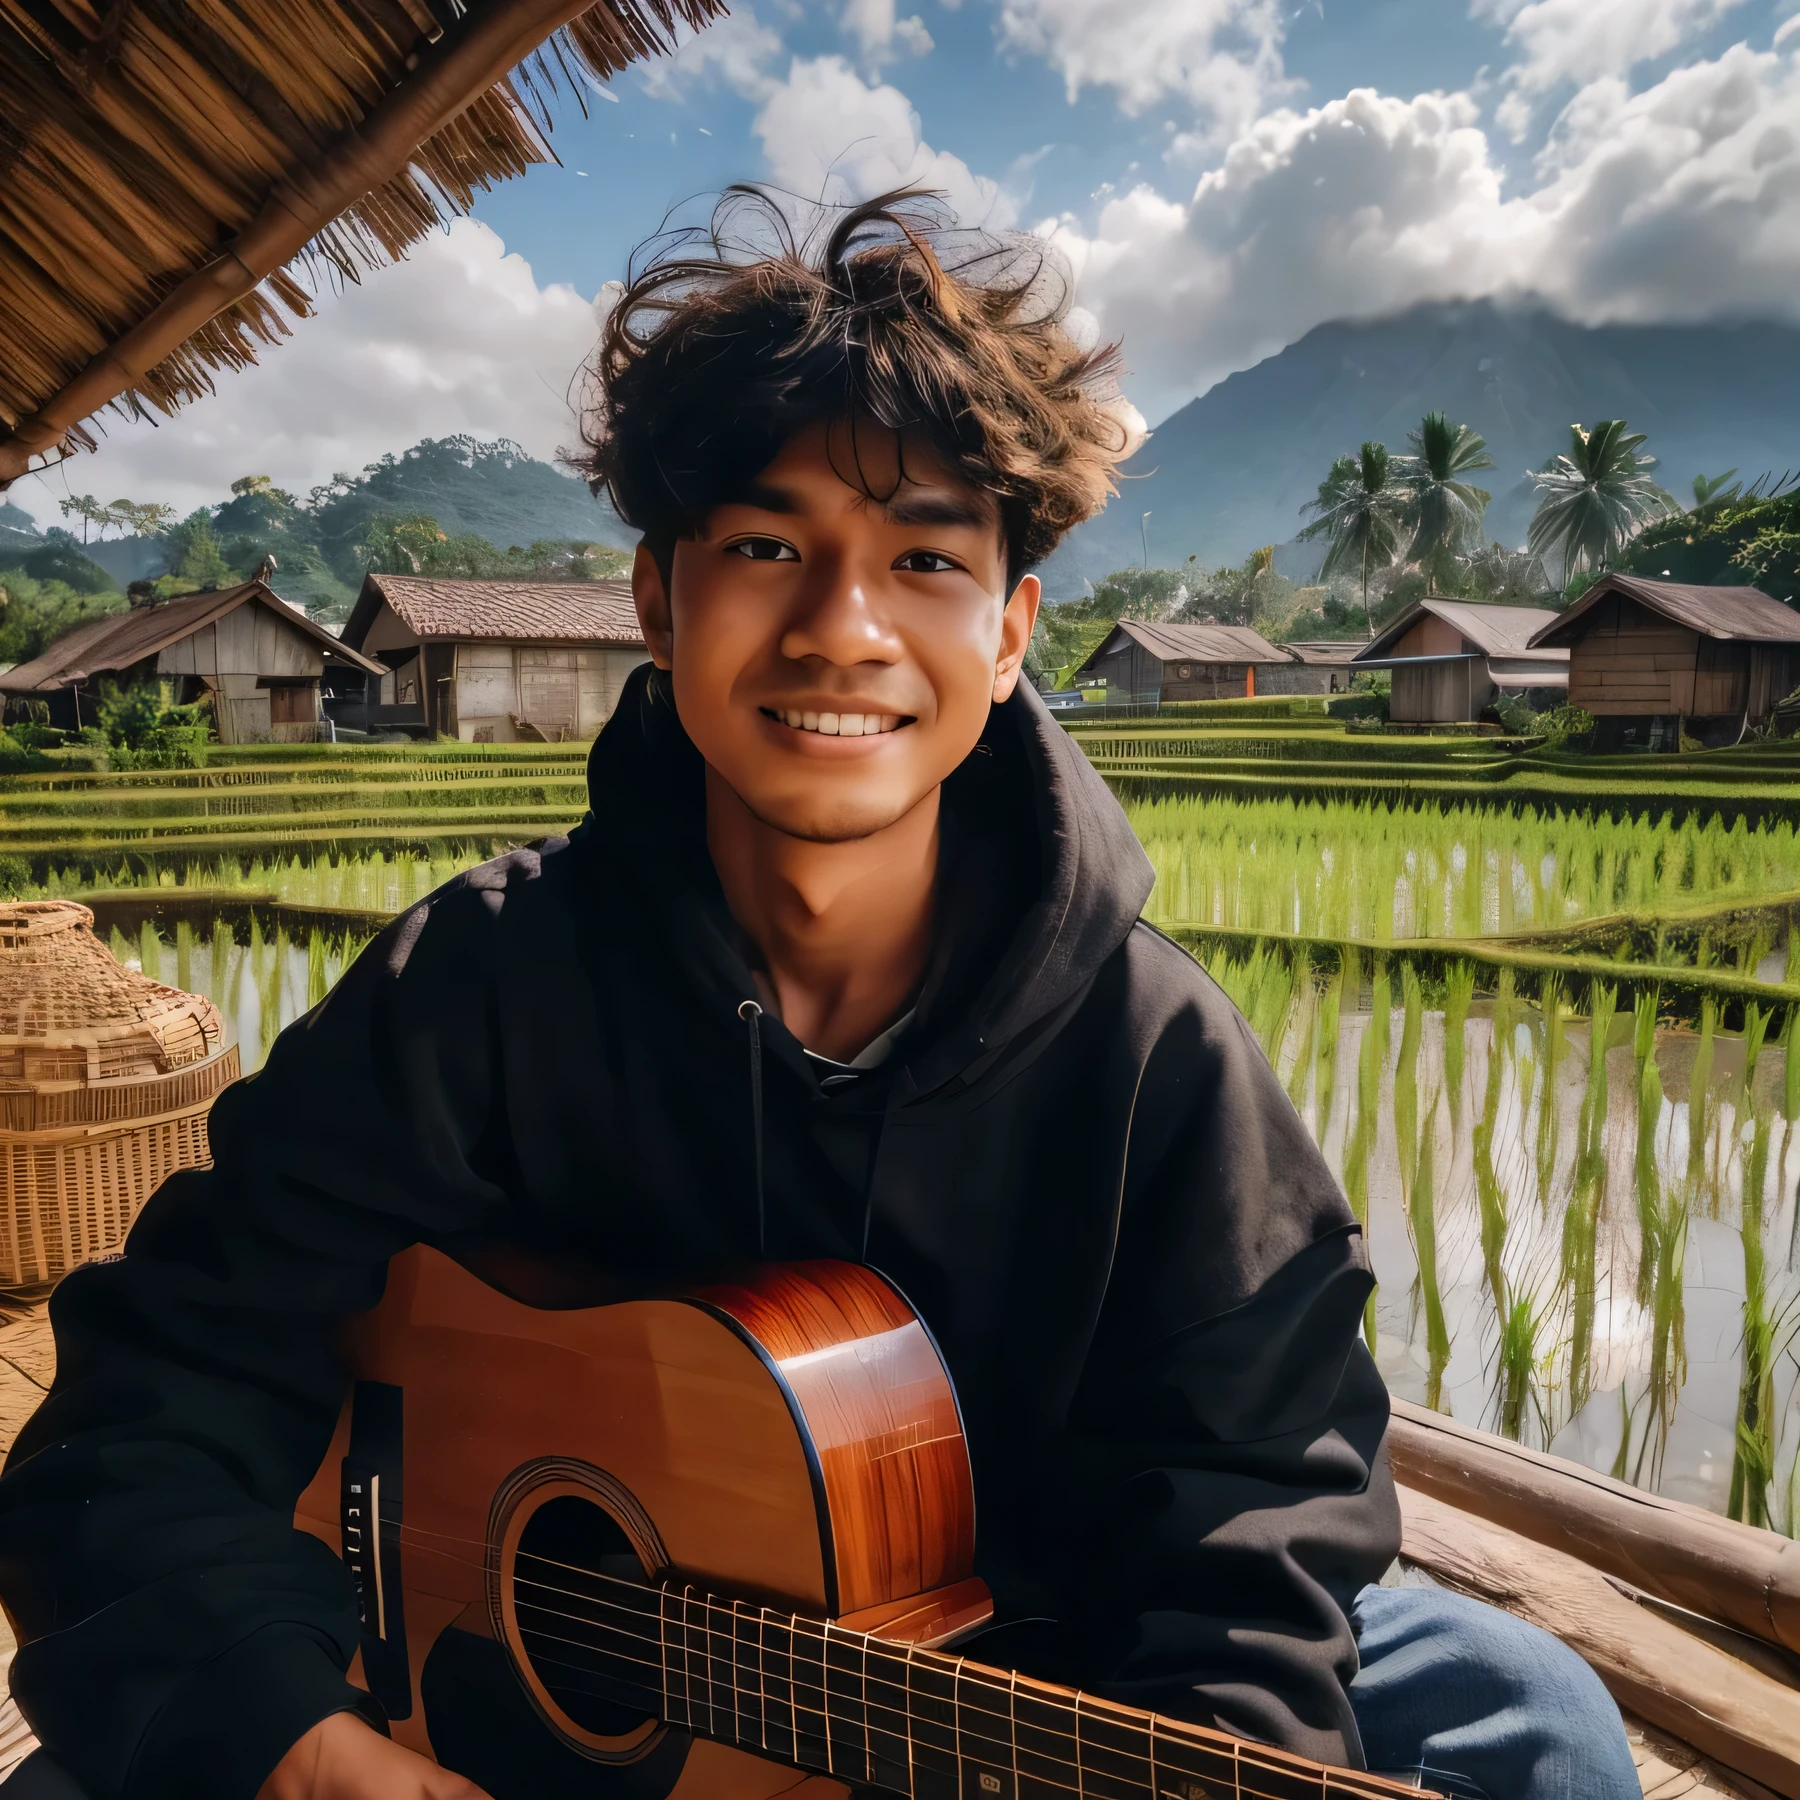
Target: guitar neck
938,1727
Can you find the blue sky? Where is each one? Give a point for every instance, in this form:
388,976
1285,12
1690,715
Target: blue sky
1220,175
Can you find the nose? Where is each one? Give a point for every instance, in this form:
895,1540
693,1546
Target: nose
838,617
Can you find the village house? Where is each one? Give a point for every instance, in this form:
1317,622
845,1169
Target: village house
1140,664
490,662
258,660
1452,659
1651,658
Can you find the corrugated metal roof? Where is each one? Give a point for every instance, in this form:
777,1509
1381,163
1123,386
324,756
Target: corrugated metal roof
1494,630
519,612
102,646
1198,643
1736,614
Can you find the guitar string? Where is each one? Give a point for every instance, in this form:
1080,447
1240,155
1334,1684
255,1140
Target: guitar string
798,1625
1241,1756
1009,1746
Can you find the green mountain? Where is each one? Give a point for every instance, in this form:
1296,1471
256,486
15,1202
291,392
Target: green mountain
1231,470
19,533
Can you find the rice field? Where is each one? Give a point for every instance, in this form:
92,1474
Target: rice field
1334,869
1591,1249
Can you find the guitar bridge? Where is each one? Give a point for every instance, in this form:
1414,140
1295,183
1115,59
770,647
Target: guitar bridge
371,1506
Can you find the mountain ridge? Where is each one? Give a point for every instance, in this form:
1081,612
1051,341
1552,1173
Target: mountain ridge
1230,471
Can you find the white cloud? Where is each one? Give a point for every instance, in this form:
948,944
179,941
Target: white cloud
880,35
1679,203
736,51
458,338
1223,56
828,134
1580,41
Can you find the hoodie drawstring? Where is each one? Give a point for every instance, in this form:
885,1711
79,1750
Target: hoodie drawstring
750,1013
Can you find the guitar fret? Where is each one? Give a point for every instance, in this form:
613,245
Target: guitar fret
885,1670
931,1712
812,1719
846,1705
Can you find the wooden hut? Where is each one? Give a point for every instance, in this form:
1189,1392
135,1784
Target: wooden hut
165,165
106,1078
1452,659
1650,658
491,662
257,659
1142,664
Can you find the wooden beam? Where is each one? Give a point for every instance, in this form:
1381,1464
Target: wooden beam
1682,1554
450,77
1729,1711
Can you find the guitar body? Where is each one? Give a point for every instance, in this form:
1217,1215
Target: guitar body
793,1441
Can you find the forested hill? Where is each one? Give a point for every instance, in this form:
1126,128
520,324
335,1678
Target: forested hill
1231,470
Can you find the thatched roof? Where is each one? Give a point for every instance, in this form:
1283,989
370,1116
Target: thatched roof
105,646
502,612
168,160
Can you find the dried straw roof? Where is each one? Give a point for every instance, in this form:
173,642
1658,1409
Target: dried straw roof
168,160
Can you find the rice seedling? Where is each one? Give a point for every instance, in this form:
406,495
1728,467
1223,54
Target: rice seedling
1406,1077
1490,1196
1550,1006
1359,1146
1331,1001
1459,991
1421,1219
1753,1456
1699,1085
1581,1223
1663,1259
1519,1375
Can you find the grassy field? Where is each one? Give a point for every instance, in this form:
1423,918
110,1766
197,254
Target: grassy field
1542,1012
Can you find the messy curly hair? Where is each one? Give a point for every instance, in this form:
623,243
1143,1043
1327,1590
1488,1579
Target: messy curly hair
730,338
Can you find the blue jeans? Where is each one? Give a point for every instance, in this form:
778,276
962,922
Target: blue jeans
1481,1705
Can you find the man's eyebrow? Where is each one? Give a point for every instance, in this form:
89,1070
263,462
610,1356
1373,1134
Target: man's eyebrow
765,496
939,506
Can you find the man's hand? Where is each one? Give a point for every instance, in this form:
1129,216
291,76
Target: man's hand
341,1758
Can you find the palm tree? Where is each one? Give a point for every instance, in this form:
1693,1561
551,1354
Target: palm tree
1712,491
1361,512
1446,507
1597,497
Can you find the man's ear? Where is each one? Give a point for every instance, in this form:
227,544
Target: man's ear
650,594
1016,625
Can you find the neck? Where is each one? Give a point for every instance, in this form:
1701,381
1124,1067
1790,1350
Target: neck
843,929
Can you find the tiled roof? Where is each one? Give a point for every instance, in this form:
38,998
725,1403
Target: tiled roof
1743,614
103,645
529,612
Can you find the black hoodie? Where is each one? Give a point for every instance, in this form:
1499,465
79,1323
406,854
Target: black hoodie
1076,1164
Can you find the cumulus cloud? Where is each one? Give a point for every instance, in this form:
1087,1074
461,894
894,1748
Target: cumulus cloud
1678,203
880,35
1580,41
736,51
1222,56
458,338
828,134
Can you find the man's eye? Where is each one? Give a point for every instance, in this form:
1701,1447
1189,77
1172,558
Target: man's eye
924,562
763,549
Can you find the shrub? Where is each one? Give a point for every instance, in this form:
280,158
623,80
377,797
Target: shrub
1564,727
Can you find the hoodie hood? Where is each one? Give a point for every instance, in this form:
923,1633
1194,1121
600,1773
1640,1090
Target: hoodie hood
1057,882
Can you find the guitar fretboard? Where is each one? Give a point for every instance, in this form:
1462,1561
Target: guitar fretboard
919,1723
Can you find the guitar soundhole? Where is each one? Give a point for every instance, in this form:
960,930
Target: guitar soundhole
586,1624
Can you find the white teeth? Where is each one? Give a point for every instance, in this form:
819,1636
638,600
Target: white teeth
809,721
889,721
850,725
828,724
794,719
871,724
841,724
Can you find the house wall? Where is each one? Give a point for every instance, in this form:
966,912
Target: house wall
1633,662
1440,693
1431,636
237,658
1300,678
1211,680
566,692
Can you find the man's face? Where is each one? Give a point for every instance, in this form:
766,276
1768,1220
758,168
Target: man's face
835,656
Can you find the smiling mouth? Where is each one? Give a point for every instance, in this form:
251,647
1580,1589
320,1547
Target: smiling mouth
833,724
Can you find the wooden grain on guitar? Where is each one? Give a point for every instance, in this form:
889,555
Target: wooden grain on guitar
702,1547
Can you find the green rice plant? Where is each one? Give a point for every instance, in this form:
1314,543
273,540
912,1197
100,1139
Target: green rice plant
1331,1001
315,968
1581,1223
1663,1259
1699,1098
1753,1458
184,955
1421,1219
1550,1007
1490,1196
1459,991
1519,1380
1646,1184
1406,1077
1359,1146
150,951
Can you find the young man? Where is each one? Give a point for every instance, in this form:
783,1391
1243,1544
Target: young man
844,962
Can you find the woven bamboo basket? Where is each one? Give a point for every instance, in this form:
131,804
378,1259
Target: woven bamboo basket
106,1078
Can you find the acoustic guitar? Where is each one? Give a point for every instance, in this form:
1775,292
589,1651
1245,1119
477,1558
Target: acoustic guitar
712,1547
